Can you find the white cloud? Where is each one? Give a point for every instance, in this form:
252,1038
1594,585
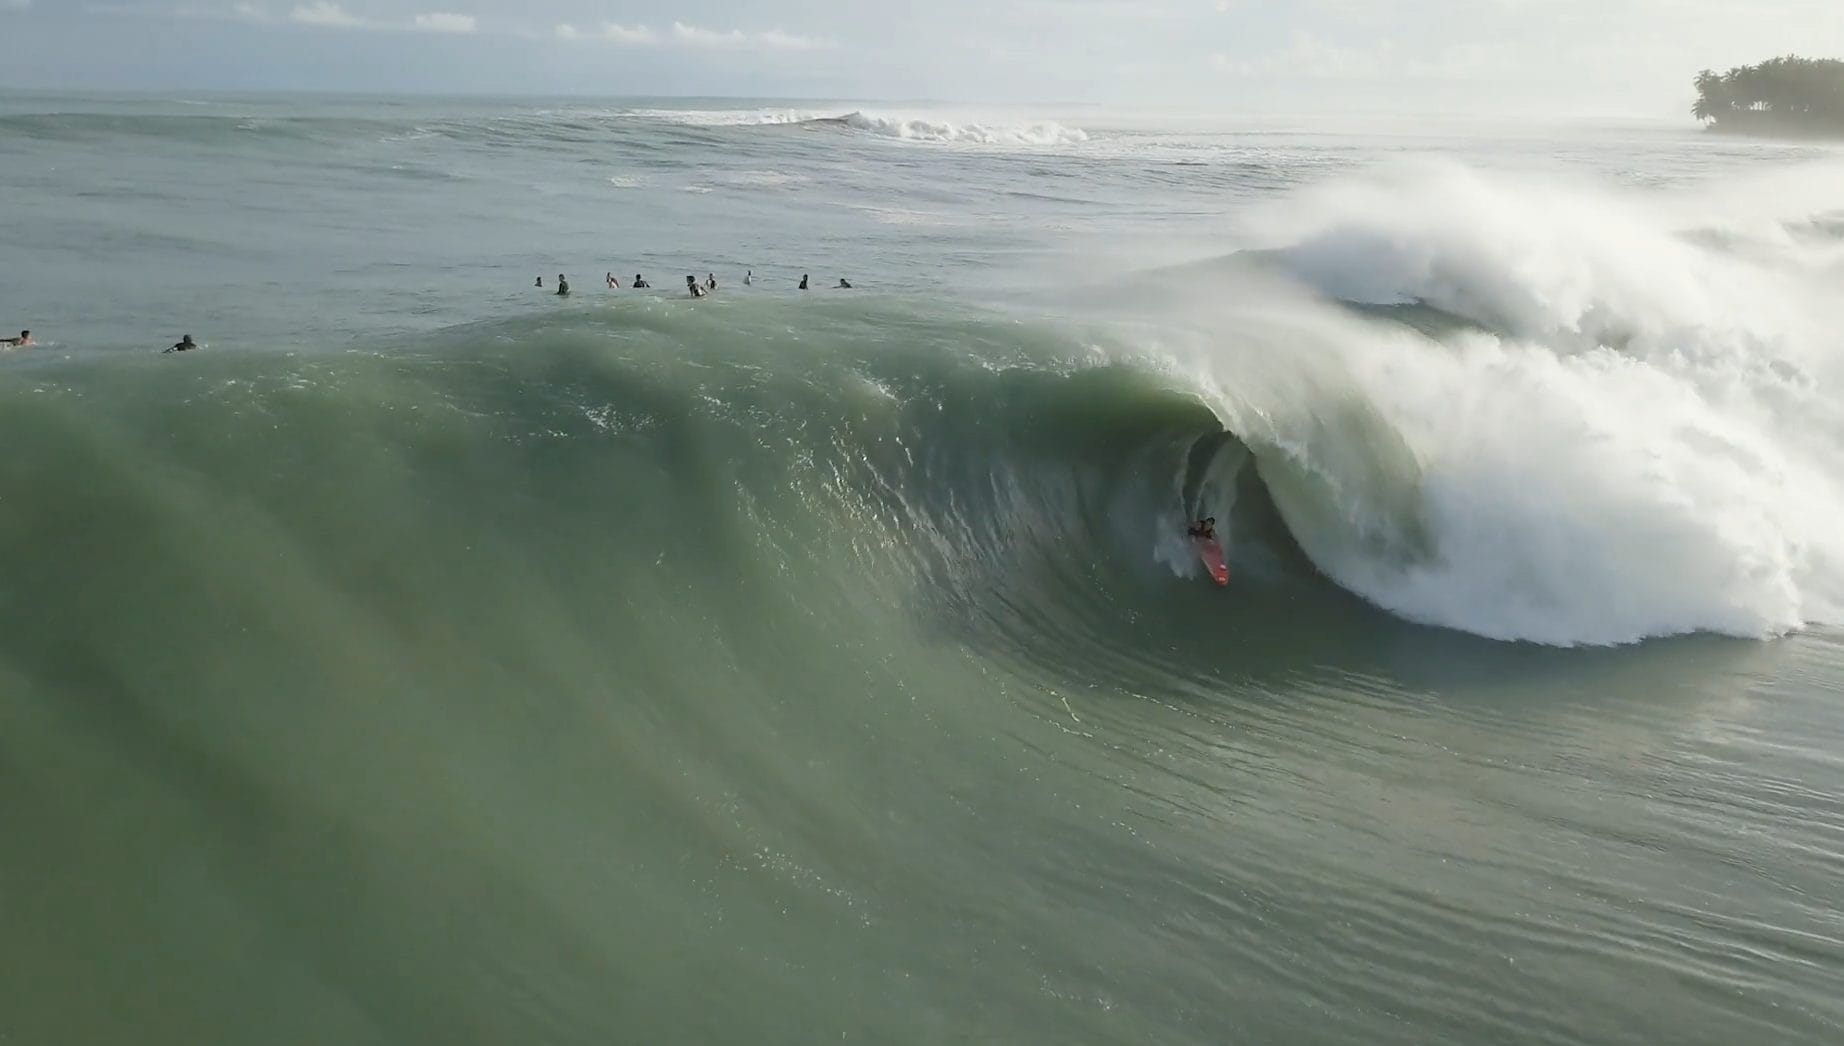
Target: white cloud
566,31
693,36
443,22
251,12
638,35
323,13
736,39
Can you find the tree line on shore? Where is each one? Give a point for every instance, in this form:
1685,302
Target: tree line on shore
1779,96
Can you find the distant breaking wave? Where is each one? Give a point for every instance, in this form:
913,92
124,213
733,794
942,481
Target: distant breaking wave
904,128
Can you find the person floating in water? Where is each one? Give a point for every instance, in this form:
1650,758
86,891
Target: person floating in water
24,339
182,345
845,284
640,284
540,282
691,284
1204,529
749,278
613,284
803,282
710,281
563,285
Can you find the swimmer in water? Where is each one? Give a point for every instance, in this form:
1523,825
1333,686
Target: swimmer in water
803,283
710,281
640,284
844,284
749,278
182,345
613,284
24,339
563,285
540,282
691,284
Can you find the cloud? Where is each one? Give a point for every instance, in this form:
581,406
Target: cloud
442,22
736,39
566,31
639,35
323,13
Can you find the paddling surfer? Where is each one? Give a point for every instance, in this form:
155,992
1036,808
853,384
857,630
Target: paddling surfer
1204,529
24,339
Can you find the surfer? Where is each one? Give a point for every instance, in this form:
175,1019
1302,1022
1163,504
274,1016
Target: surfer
845,284
613,284
182,345
640,284
691,284
563,285
1204,529
24,339
710,281
803,283
749,278
540,282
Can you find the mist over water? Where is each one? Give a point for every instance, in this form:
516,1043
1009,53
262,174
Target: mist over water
432,659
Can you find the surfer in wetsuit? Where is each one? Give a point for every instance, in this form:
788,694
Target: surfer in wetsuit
182,345
613,284
1204,529
640,284
691,284
710,281
803,283
540,282
845,284
24,339
749,278
563,285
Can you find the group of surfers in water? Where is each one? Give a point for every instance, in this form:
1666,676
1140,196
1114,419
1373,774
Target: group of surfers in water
692,285
25,341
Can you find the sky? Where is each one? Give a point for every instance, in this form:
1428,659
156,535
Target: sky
1565,57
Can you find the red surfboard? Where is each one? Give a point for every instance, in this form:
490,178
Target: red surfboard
1212,554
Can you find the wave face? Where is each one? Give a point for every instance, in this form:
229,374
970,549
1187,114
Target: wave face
1567,424
432,659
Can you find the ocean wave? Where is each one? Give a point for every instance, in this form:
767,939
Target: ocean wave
922,130
916,129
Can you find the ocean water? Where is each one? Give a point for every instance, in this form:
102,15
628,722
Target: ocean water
430,659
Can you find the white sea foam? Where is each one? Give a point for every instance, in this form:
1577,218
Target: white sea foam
1642,437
